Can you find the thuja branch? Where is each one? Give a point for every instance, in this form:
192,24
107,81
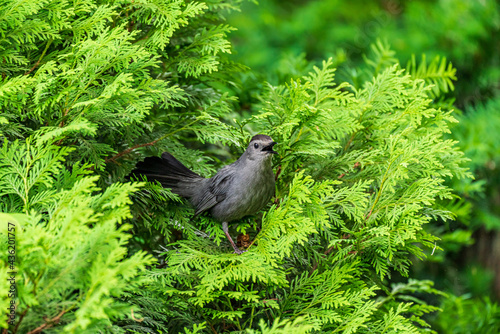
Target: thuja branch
384,179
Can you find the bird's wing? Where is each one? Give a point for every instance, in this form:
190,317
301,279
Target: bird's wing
215,192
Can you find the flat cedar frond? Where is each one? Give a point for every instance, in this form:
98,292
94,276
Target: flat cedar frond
437,73
380,58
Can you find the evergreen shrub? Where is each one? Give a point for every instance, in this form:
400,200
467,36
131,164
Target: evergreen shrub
89,88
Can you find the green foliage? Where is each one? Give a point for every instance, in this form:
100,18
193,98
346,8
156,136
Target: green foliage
462,31
402,160
479,139
90,88
84,85
477,136
89,73
71,255
284,326
466,315
424,36
360,171
436,73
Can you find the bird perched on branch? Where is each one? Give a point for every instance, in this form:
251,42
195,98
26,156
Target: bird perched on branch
237,190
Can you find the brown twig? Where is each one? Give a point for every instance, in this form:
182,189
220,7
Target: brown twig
267,300
33,68
21,319
278,172
48,323
316,264
212,327
350,141
61,125
128,150
40,59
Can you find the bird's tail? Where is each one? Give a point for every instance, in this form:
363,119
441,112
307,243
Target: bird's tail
171,173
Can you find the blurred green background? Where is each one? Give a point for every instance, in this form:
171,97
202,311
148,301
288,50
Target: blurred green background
283,39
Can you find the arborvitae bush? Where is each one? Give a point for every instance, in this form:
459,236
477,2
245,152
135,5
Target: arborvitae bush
90,88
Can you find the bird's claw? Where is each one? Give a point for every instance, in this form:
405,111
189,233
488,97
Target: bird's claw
239,251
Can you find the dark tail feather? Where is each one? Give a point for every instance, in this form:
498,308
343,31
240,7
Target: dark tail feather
170,172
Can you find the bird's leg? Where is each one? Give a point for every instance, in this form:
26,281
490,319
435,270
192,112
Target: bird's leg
225,228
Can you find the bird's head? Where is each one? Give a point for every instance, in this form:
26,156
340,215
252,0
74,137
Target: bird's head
260,148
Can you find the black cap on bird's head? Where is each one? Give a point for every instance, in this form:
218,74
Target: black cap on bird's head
261,137
262,143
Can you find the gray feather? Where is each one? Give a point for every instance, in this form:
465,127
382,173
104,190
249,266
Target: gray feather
237,190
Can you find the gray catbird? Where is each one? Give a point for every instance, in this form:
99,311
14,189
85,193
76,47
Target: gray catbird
237,190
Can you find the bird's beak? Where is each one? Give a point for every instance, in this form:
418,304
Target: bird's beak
269,148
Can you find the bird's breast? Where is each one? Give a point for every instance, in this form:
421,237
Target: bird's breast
249,193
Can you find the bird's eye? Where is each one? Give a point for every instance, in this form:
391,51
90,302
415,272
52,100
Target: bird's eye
256,145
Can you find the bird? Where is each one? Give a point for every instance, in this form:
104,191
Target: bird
237,190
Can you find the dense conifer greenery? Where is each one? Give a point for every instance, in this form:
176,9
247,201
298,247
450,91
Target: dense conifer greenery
90,88
293,35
